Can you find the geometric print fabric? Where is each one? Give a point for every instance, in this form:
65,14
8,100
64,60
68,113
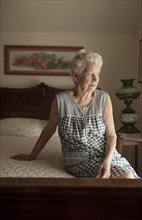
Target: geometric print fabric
83,139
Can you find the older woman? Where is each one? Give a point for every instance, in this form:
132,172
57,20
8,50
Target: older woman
86,127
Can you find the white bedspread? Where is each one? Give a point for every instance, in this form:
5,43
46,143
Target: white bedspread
49,162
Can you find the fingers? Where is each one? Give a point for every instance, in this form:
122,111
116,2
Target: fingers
99,172
103,173
20,157
16,157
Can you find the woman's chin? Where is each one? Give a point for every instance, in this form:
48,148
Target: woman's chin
92,87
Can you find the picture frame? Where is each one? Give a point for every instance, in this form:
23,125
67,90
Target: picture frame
38,60
140,62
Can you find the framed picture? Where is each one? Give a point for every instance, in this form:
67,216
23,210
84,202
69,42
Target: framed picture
140,61
38,60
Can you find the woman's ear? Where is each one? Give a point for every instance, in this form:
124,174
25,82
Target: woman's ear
75,77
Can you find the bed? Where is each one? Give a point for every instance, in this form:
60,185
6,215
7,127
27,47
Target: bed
41,188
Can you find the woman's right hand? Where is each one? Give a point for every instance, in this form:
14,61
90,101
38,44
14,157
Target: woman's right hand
26,157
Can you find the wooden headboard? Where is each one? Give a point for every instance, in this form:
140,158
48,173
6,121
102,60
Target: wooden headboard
32,102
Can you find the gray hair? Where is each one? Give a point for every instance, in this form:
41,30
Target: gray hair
80,60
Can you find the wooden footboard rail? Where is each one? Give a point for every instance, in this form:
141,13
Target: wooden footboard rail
70,199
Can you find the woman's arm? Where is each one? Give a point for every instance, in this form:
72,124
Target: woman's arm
46,134
110,130
104,171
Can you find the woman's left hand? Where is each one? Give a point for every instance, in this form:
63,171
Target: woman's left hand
104,169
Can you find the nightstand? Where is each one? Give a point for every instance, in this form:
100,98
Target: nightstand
129,140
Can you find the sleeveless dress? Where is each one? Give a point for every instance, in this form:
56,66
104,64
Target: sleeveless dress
82,135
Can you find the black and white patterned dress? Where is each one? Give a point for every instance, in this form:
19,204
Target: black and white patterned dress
82,134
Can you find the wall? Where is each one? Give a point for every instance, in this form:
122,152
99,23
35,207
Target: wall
118,51
140,101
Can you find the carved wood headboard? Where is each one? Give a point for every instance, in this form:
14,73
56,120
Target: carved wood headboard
32,102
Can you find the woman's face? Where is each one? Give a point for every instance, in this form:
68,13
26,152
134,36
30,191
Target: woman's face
90,77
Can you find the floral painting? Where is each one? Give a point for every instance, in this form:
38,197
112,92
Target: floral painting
41,61
38,60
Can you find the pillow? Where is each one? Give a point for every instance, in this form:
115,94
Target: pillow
22,126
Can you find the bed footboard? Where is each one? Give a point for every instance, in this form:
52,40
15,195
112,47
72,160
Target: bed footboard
70,199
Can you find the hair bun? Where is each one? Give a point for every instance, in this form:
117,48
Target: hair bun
82,51
81,54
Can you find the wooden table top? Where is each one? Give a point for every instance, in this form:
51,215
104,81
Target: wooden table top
133,137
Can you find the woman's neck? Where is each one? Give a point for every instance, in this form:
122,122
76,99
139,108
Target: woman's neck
81,93
81,97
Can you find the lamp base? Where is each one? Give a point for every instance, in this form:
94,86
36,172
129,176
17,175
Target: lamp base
128,129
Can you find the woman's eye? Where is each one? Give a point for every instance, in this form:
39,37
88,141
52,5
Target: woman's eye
93,76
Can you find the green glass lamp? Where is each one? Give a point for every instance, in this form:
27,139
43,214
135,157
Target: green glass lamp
128,116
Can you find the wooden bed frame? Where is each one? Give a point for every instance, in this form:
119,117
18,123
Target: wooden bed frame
65,198
33,102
